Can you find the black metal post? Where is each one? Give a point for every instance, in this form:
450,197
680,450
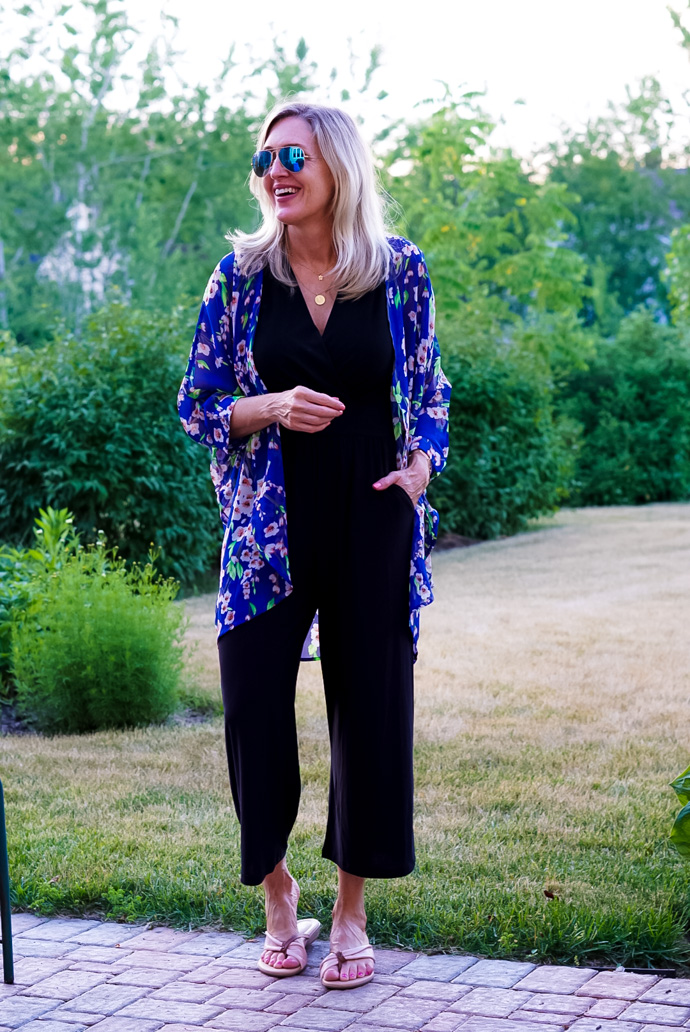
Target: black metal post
5,904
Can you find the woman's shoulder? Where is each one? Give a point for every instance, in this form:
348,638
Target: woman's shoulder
406,256
401,245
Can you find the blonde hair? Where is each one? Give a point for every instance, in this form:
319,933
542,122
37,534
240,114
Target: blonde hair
359,230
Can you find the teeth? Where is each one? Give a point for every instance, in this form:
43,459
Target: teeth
285,190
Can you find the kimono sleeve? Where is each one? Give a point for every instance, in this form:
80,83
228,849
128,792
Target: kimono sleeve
431,424
209,390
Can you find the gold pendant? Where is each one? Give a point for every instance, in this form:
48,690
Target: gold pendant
320,299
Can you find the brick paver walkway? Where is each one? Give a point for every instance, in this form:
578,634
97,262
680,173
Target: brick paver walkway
73,975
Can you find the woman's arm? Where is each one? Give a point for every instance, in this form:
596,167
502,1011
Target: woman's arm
298,409
212,411
429,411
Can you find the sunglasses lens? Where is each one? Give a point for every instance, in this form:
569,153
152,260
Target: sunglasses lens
262,161
292,158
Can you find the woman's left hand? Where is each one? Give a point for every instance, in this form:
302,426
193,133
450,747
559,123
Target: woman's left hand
414,479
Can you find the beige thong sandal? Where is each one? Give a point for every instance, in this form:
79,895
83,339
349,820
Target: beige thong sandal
365,951
296,947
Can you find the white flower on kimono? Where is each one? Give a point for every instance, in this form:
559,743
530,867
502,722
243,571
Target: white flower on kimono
224,602
203,348
272,529
213,286
437,412
218,435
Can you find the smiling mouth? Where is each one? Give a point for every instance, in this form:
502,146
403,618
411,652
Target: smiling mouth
285,191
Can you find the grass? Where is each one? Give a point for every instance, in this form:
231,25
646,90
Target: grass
552,694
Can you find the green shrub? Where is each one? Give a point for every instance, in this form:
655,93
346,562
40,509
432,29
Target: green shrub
97,645
509,460
633,403
680,833
91,424
22,571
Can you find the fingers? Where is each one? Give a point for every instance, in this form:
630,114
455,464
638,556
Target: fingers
322,400
307,410
384,482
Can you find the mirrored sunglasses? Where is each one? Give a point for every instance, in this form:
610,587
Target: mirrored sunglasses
291,158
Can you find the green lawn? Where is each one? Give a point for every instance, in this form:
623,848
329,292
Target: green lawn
552,696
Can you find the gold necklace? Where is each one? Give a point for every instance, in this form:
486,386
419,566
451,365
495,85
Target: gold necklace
319,299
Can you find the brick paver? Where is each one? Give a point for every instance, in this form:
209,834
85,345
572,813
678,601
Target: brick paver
556,979
669,990
656,1013
618,985
89,976
491,1003
499,974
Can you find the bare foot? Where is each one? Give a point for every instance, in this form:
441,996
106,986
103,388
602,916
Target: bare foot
282,895
349,929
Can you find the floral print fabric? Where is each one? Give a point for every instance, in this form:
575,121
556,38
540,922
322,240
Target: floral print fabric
247,472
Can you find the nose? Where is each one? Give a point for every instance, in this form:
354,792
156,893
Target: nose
277,170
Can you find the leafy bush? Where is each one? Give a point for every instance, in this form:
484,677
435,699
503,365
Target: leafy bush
91,424
680,833
21,571
92,643
634,405
509,460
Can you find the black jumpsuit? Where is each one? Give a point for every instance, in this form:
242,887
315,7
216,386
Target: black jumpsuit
349,553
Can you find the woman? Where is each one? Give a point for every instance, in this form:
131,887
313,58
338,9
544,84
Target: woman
315,379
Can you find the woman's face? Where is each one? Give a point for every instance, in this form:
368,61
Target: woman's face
298,198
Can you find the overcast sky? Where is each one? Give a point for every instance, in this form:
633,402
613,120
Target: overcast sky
565,60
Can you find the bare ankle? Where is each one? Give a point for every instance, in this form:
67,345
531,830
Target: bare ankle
352,913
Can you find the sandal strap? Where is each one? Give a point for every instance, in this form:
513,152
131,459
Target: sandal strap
364,951
276,946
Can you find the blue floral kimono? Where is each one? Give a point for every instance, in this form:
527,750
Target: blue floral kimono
248,471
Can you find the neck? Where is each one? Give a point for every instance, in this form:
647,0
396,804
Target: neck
312,246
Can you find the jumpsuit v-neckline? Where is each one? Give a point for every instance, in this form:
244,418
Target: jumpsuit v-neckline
349,548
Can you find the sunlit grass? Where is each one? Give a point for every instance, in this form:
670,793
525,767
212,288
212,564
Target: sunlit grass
552,698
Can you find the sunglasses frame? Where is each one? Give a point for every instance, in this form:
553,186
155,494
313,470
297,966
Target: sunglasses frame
288,157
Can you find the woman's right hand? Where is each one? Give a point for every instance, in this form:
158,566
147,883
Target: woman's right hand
307,410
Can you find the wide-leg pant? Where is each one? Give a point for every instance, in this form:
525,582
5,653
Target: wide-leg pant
349,549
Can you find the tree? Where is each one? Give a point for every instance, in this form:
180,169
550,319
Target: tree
100,201
627,198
